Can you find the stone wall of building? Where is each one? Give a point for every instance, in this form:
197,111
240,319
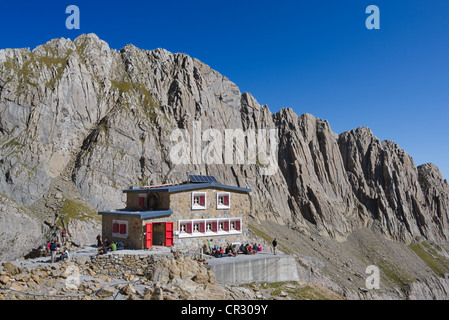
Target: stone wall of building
132,201
163,200
135,236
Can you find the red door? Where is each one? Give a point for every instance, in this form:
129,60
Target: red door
169,234
149,236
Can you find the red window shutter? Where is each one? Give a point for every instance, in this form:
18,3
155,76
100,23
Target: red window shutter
189,228
214,226
149,235
226,200
169,234
142,202
237,225
202,227
203,200
115,228
226,226
123,229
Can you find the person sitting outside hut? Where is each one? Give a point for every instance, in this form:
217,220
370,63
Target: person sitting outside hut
229,251
65,254
255,247
215,251
102,250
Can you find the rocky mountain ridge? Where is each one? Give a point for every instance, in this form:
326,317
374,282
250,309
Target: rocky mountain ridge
80,121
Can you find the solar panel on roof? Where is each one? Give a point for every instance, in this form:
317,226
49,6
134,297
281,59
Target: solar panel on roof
202,179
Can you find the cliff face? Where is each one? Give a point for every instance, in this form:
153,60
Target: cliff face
89,121
398,195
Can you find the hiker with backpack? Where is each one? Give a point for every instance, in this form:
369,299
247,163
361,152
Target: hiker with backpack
63,236
275,243
53,250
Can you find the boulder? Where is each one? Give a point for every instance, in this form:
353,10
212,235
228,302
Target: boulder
11,268
4,280
128,290
106,292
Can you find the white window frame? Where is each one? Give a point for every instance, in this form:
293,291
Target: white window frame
118,235
194,224
207,233
198,206
180,228
207,226
223,206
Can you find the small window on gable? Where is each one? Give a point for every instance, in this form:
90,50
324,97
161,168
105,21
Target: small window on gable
198,200
223,200
142,201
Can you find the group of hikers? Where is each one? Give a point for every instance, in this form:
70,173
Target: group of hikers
249,249
106,245
232,250
53,248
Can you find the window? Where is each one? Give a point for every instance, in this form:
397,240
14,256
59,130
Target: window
223,200
142,200
120,229
209,227
199,227
198,200
185,227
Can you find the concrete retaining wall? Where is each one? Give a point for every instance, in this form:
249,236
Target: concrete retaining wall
261,269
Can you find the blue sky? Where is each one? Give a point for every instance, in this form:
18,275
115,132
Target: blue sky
315,56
